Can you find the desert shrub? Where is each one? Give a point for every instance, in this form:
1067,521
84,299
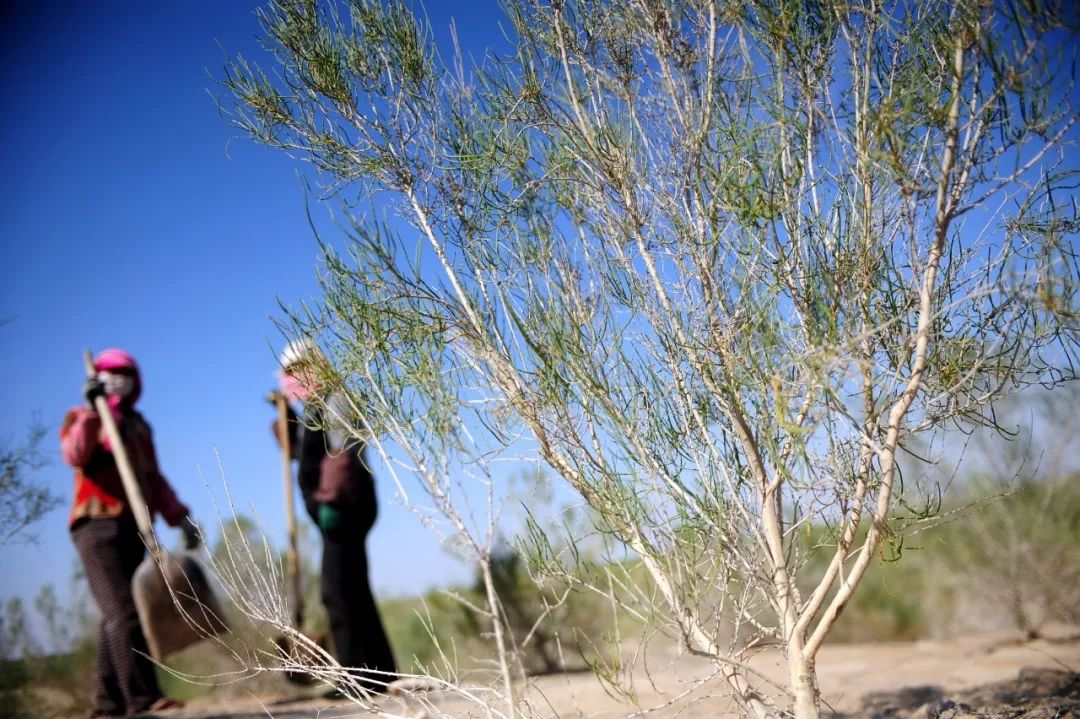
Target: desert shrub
714,264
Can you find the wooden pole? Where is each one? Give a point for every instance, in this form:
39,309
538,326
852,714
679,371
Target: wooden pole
293,552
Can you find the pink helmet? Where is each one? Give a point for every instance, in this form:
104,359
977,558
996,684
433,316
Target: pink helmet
112,359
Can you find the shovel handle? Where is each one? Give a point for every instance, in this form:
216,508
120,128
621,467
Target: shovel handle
123,464
293,552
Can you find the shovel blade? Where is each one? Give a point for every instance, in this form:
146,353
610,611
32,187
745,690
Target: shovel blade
173,620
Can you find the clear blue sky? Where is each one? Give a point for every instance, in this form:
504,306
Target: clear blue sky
128,219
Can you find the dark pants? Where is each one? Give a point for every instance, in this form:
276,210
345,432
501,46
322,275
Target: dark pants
357,631
111,549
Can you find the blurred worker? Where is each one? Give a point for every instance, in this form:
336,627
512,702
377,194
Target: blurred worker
104,531
339,495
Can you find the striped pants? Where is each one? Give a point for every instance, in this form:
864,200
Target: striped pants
111,549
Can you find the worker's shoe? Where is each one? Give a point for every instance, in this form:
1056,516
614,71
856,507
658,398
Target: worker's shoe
161,704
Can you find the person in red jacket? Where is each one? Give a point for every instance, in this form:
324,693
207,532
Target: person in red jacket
103,530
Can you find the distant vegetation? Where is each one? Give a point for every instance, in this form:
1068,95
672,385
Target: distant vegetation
23,502
1010,563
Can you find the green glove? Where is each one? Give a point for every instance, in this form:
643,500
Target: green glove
329,517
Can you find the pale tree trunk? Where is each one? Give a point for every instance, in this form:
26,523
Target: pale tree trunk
495,607
804,688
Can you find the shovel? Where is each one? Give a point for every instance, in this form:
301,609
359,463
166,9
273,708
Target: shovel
284,643
173,598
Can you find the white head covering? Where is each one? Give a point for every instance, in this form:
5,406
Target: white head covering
296,351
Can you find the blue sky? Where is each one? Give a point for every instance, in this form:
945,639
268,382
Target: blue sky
129,219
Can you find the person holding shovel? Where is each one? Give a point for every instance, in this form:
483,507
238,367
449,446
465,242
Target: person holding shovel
339,494
104,531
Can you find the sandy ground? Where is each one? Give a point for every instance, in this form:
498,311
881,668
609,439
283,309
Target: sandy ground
682,686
